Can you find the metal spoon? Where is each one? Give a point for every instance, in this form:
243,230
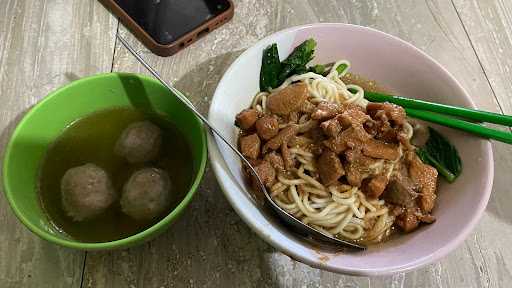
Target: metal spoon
289,219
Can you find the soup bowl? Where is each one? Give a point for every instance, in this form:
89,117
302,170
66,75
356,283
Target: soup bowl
46,121
399,67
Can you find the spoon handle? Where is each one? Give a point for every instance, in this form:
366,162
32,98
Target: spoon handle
182,98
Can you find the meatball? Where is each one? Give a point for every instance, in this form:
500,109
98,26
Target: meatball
146,194
86,192
139,142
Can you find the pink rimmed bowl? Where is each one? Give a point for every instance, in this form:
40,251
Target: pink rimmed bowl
406,70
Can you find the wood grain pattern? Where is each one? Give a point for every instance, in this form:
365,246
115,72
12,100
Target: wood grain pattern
211,247
43,45
489,28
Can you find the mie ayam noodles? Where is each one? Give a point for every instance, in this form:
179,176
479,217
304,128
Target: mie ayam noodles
330,158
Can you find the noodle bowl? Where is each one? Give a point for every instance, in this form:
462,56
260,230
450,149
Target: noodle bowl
240,84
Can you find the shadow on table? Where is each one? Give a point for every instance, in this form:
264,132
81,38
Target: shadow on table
209,246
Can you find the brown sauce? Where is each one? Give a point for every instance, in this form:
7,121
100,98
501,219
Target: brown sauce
367,85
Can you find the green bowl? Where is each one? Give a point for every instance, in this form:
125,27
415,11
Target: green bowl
46,120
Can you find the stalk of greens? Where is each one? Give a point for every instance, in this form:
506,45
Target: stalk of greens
273,72
342,67
322,69
442,155
270,68
318,69
296,62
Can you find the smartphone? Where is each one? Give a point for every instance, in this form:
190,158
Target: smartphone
167,26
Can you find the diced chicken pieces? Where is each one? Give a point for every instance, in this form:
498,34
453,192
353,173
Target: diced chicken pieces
371,127
254,163
357,167
331,127
352,137
382,130
325,110
354,175
282,137
250,146
355,136
329,167
388,135
292,117
353,115
275,160
404,140
407,221
266,173
288,99
375,186
310,124
316,134
299,141
396,210
336,144
426,176
395,113
245,119
380,150
307,107
429,219
267,127
392,111
427,202
317,149
400,191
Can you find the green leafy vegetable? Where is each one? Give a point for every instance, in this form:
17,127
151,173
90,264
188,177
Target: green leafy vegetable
441,154
342,67
299,70
318,69
296,62
273,73
270,68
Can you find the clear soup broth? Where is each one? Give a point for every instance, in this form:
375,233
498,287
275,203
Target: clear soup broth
92,140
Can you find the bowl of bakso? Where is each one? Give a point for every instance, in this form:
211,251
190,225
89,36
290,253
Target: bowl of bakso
107,161
296,105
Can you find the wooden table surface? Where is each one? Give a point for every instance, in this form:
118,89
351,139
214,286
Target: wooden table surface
47,43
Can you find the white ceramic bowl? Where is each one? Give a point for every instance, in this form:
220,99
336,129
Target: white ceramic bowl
407,71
